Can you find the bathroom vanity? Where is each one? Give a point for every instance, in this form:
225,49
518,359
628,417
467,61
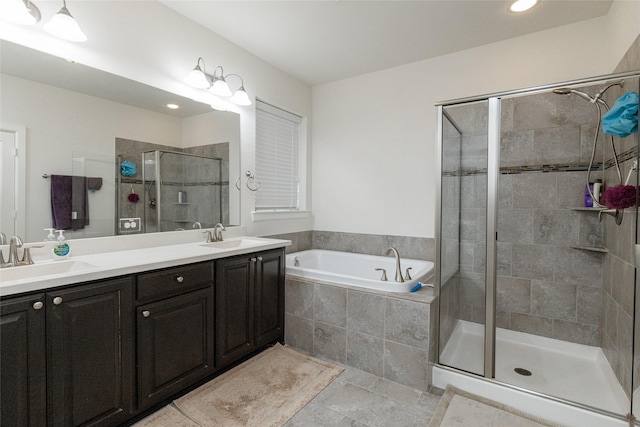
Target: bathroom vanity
109,349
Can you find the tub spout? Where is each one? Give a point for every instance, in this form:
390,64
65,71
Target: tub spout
398,268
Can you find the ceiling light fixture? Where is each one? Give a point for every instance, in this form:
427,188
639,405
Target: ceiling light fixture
522,5
64,26
217,83
21,12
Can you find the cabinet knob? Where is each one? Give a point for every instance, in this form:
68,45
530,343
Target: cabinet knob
57,300
146,313
260,258
38,305
179,279
253,259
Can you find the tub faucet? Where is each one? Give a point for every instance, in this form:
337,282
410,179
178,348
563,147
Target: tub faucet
398,269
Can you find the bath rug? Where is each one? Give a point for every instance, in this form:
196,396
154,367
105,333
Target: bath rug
167,416
266,390
460,408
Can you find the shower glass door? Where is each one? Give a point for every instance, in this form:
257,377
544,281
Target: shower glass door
463,203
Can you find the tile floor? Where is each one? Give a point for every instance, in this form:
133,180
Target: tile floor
357,399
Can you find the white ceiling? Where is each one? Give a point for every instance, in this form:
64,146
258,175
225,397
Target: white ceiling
324,41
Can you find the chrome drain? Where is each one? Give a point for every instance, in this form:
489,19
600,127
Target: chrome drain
522,371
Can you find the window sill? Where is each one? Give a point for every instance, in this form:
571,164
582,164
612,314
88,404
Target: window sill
277,215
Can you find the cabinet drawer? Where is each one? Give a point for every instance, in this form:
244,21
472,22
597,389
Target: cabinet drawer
173,281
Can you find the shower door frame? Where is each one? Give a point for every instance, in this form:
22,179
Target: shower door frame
493,172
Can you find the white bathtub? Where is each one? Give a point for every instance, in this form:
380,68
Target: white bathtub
357,269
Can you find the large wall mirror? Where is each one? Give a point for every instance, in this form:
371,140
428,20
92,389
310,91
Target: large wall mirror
119,138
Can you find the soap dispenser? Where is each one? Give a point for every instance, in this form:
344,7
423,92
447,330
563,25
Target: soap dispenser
61,249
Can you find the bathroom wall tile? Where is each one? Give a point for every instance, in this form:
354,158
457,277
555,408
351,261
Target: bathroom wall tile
330,341
533,261
480,257
365,313
506,114
590,231
626,237
479,314
576,332
365,352
570,190
474,151
472,289
298,298
406,365
532,324
578,266
574,110
611,319
553,300
557,145
505,191
406,322
607,272
535,111
513,295
503,319
533,190
555,227
622,280
298,332
515,225
631,60
589,305
587,132
625,341
330,305
504,259
517,148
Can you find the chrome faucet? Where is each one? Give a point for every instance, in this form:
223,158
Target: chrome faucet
3,241
398,268
14,244
217,232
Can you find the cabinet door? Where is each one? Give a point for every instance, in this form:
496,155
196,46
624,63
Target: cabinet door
234,309
23,360
175,345
269,302
90,357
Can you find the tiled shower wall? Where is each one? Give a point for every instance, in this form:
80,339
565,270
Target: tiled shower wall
132,150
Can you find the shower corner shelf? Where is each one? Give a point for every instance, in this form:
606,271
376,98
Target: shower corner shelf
592,248
181,204
584,209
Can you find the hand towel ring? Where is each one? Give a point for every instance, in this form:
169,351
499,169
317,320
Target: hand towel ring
252,184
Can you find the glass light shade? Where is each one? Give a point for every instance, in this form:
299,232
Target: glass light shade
240,97
197,78
64,26
18,12
220,88
522,5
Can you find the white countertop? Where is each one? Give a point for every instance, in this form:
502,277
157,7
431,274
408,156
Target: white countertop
140,256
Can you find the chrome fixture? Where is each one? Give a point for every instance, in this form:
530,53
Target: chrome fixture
217,232
384,274
599,103
3,241
407,276
217,84
63,25
14,260
296,262
393,250
14,244
196,225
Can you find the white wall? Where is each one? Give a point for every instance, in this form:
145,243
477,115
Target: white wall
148,42
374,148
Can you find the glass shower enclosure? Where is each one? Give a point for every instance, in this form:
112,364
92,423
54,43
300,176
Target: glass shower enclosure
182,191
537,276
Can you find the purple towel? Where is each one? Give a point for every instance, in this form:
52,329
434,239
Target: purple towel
69,202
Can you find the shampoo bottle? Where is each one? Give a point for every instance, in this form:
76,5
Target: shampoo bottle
61,249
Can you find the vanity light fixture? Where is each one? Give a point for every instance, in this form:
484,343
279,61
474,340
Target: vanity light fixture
522,5
217,83
64,26
21,12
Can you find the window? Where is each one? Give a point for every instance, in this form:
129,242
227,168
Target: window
277,153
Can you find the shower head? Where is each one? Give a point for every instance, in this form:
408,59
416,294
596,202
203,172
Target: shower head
569,91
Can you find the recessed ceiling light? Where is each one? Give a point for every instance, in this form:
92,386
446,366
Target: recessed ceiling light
522,5
173,106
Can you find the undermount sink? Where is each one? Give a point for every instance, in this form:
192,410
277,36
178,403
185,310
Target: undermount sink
45,269
233,244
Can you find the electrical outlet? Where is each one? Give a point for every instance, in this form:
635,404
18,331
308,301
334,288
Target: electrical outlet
130,225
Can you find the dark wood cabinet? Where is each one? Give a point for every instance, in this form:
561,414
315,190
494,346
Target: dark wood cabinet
249,304
174,334
90,354
67,356
23,384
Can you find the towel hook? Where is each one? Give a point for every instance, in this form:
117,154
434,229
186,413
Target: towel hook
252,183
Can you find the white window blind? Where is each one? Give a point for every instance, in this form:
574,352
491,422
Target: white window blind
276,158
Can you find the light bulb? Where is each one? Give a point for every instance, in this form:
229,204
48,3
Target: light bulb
197,78
220,88
64,26
240,97
522,5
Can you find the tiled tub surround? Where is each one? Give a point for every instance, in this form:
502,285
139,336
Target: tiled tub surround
388,335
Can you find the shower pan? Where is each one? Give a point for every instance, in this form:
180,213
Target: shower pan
536,290
182,191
